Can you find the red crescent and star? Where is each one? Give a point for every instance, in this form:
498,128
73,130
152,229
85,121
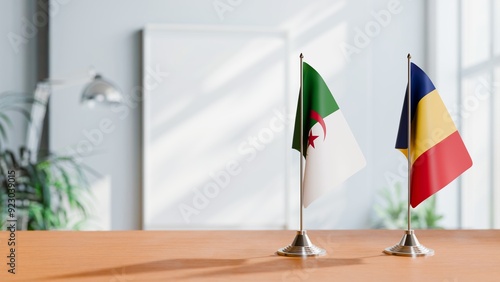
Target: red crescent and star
317,117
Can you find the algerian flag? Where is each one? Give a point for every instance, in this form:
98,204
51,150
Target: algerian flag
331,151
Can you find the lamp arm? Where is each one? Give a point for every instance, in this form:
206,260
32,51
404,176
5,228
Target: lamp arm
35,126
39,109
99,88
59,83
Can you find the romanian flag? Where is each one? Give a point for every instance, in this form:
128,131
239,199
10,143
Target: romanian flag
438,154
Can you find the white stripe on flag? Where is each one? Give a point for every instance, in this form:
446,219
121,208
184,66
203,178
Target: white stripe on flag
333,159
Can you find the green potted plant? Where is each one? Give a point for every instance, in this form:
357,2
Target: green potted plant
50,193
392,212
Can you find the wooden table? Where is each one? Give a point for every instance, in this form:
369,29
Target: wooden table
117,256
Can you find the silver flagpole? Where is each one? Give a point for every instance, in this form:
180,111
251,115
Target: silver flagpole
301,245
409,139
301,142
409,245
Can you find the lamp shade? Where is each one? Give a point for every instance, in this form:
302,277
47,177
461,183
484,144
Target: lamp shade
101,91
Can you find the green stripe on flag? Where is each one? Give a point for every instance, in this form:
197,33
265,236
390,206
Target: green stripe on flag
317,97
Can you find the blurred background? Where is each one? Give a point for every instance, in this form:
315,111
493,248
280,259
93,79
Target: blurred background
201,138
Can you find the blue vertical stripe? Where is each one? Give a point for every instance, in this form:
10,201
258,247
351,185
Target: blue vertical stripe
421,85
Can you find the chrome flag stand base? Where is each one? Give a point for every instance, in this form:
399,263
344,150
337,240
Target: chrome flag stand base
301,247
409,247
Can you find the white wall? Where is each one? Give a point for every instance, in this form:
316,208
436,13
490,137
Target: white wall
18,57
443,40
469,93
368,86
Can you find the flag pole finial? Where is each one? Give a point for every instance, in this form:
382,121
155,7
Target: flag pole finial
408,56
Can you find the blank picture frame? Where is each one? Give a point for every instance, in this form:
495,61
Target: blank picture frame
216,127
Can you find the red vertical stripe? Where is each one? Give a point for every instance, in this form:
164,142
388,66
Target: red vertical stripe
437,167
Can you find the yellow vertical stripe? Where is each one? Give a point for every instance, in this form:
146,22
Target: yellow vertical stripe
431,124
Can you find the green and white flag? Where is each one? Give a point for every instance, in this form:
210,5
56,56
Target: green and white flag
330,149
